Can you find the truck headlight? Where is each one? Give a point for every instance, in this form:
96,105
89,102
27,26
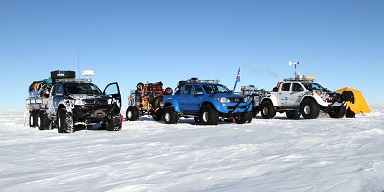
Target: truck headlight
223,100
79,102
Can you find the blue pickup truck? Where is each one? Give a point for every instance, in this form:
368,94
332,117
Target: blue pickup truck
207,101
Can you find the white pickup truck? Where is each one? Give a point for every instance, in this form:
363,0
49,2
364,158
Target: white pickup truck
301,96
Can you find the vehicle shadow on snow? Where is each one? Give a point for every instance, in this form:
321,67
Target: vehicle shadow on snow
185,120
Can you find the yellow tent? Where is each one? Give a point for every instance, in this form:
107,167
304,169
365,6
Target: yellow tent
359,105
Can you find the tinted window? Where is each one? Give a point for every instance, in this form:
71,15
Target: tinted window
297,87
215,88
81,88
187,89
59,90
313,86
197,89
285,86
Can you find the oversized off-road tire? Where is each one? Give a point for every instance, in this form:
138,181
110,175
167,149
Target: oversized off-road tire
170,116
132,113
309,109
255,111
249,117
168,91
293,114
348,96
337,112
139,86
64,122
151,99
43,120
209,115
158,115
245,117
33,118
157,102
114,124
268,111
62,74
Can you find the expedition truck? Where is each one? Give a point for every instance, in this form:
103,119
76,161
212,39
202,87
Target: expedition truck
254,95
207,101
69,101
146,100
301,96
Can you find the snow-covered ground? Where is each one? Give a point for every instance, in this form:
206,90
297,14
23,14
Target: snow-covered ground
266,155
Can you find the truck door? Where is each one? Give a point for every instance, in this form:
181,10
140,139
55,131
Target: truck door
284,94
291,95
113,90
186,98
57,96
197,97
297,92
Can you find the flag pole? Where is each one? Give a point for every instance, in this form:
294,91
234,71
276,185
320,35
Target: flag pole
237,79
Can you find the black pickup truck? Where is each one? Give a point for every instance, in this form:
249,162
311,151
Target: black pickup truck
74,101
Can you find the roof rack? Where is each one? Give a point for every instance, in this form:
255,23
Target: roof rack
301,78
196,80
73,80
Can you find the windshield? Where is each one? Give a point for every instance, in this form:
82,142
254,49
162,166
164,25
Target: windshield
215,88
313,86
82,88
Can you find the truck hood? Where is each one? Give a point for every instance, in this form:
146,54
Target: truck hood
228,95
89,97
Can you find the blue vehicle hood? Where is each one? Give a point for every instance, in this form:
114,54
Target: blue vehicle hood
227,95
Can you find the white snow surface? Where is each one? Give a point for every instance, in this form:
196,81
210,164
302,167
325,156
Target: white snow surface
278,154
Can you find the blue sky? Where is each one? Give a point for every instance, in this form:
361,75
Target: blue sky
339,42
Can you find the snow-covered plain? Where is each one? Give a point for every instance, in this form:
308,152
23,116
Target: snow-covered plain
323,154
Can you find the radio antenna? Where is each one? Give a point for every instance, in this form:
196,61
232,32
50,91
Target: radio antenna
78,61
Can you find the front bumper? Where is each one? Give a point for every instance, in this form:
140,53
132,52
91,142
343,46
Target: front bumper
232,108
92,113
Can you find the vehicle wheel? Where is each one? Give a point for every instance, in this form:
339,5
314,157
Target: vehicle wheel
293,114
157,115
209,115
170,116
157,102
244,118
268,111
65,122
255,111
249,117
114,124
132,113
62,74
168,91
33,118
337,112
151,99
139,86
43,121
309,109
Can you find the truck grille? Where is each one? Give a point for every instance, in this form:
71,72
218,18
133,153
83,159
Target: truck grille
96,102
236,100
